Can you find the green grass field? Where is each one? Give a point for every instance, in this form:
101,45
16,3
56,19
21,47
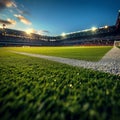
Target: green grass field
82,53
38,89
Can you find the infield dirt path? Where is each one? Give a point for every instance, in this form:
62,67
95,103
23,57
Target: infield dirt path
110,63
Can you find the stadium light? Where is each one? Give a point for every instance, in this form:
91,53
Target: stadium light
94,29
106,27
29,31
63,34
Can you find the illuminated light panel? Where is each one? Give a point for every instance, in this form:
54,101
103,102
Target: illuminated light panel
29,31
106,27
63,34
94,29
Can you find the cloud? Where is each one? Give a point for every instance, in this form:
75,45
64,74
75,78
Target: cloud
40,32
8,21
43,32
46,31
16,10
12,4
7,4
23,19
13,22
24,12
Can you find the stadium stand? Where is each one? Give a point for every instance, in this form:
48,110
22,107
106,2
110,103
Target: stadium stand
99,36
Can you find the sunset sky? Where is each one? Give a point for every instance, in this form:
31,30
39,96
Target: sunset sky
53,17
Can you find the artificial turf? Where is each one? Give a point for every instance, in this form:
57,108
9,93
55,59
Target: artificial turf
93,53
38,89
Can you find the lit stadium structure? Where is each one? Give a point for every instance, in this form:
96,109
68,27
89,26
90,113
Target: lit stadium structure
95,36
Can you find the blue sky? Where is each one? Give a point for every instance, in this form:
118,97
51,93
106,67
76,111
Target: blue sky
54,17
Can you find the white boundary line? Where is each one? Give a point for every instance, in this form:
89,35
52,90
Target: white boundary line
110,63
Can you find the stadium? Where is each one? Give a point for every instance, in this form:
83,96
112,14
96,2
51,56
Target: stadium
95,36
72,76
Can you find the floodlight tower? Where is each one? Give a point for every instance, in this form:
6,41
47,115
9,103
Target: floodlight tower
4,25
118,21
4,31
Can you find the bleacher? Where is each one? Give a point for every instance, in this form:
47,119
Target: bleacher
97,38
100,36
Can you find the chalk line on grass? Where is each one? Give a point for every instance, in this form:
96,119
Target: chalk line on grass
110,63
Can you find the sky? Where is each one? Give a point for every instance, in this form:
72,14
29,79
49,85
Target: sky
54,17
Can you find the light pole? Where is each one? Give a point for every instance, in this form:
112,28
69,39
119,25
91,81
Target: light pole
4,31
